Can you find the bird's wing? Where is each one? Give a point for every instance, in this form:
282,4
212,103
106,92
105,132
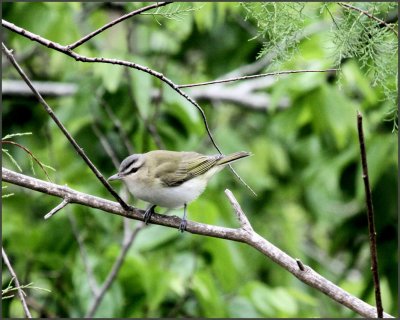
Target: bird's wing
190,167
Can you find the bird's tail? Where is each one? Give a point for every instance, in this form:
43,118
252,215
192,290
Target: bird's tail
233,157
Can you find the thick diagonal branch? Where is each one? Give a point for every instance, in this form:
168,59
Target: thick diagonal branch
308,275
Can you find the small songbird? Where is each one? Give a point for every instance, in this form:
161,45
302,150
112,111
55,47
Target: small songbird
170,179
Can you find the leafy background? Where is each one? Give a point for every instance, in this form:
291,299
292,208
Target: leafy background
305,167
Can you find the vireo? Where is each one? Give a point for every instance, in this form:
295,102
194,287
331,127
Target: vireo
170,179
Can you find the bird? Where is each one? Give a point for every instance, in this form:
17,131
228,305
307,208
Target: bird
170,179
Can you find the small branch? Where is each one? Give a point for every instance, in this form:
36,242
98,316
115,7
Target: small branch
244,222
20,292
249,94
114,271
370,216
63,204
114,22
78,149
308,276
251,77
366,13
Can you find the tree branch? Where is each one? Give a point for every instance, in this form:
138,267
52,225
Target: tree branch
308,275
13,274
370,217
114,22
63,204
78,149
251,77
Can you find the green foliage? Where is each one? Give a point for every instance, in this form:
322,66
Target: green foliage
355,35
279,25
305,166
9,291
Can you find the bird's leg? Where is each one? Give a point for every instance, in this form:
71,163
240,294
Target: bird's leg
148,213
182,226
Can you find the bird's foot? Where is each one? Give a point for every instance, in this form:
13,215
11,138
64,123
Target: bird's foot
147,215
182,226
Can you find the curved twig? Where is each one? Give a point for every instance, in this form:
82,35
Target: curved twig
308,275
114,22
276,73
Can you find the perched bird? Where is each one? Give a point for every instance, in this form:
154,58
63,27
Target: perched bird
170,179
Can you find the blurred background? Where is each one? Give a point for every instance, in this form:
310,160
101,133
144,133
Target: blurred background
301,129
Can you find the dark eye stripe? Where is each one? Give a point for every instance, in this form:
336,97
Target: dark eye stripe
128,164
133,170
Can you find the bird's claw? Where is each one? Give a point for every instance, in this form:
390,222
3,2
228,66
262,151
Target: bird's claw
147,215
182,226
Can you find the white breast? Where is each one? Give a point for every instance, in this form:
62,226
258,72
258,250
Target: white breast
171,197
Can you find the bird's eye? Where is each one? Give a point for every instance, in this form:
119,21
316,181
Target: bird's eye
133,170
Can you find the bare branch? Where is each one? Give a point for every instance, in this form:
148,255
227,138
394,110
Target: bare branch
366,13
13,274
252,77
78,149
114,22
246,94
244,222
308,276
370,217
63,204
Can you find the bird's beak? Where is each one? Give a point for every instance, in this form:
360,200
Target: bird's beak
114,177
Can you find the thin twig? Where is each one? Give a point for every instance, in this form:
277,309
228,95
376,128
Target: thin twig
20,292
78,149
251,77
28,152
114,271
244,222
370,216
114,22
308,276
366,13
63,204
